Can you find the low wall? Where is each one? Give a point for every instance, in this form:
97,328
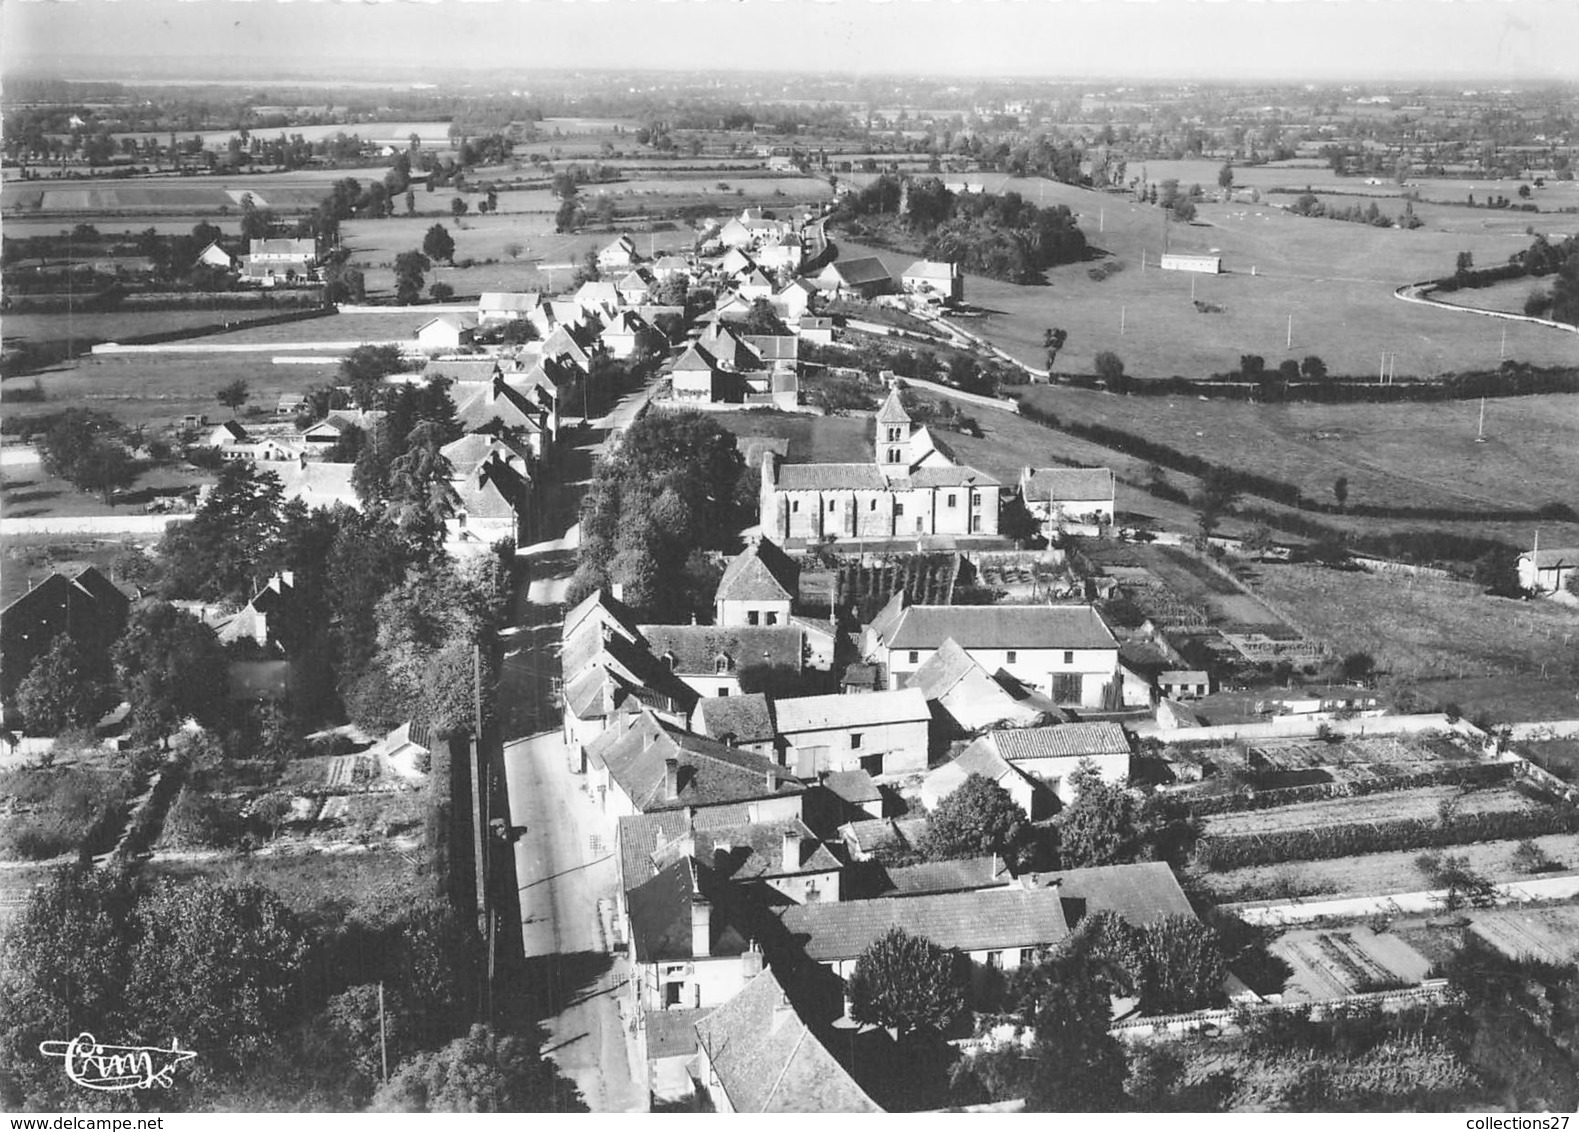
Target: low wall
1176,1025
431,308
18,455
91,525
1266,913
1306,726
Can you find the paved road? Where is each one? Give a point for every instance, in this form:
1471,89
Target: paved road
564,860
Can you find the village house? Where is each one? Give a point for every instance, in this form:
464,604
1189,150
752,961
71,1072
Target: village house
913,487
625,333
998,928
940,282
476,448
884,733
755,1053
693,378
794,301
864,278
87,606
982,758
216,256
744,721
709,658
858,793
606,669
689,943
668,267
642,764
1548,572
324,434
506,306
501,408
620,255
489,503
1054,496
1065,652
774,861
965,698
813,328
865,837
270,262
230,432
934,878
598,298
447,332
758,587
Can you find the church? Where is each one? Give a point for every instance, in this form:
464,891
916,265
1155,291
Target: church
912,487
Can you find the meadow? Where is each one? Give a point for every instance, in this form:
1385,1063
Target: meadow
159,389
110,326
1335,280
1424,628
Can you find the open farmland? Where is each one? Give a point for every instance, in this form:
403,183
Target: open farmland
1335,279
110,326
1407,455
159,389
27,493
1376,874
1422,628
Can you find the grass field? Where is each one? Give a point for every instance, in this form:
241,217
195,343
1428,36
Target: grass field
1424,629
1335,279
27,493
110,326
1375,874
1421,455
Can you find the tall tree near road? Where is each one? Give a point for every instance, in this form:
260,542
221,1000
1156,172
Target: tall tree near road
62,691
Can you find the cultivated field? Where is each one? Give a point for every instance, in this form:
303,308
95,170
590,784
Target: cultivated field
1332,963
1422,802
1550,935
1425,628
1376,874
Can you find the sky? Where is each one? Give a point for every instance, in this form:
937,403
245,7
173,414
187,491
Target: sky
1375,40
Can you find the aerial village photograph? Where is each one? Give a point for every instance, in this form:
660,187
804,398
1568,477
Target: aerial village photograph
790,556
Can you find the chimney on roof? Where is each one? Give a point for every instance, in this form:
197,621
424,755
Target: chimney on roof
617,590
751,962
791,848
772,777
671,778
701,927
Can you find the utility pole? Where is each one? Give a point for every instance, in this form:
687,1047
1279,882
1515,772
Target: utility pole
1102,227
1503,352
1290,343
383,1038
1122,311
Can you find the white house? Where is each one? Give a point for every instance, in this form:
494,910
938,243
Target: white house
1051,755
884,733
1206,264
758,587
931,279
1065,652
216,256
1057,495
1548,571
447,332
506,305
621,254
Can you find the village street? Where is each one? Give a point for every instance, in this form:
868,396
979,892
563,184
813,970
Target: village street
564,863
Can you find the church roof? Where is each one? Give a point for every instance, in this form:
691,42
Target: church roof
893,411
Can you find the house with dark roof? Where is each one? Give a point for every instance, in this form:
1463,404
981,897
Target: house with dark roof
1548,571
641,764
744,721
1055,496
1064,652
501,408
690,943
934,878
1140,893
965,698
709,658
607,672
884,733
490,503
755,1053
856,791
86,605
868,838
864,278
694,376
912,487
776,861
759,586
998,928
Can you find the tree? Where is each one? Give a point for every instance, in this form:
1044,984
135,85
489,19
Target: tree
1340,491
84,448
1216,496
1313,368
567,216
1184,210
1463,265
980,818
420,494
762,319
514,248
65,958
458,207
234,395
1225,176
61,691
171,667
218,555
364,370
1079,1066
484,1071
441,292
1053,339
439,244
216,963
1180,966
1100,827
906,983
1110,369
410,270
105,467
